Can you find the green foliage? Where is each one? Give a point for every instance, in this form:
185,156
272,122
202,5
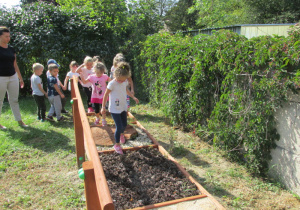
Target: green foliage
225,86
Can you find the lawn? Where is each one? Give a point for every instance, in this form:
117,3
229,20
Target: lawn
38,168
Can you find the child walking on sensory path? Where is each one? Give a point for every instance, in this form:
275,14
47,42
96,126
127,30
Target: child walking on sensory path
98,81
70,74
85,70
38,91
54,94
116,90
117,59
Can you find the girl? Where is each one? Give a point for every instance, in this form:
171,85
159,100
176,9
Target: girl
117,59
98,81
116,90
85,70
73,68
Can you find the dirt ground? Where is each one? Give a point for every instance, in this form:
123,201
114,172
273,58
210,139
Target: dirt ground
136,179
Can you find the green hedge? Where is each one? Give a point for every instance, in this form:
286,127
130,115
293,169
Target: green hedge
224,86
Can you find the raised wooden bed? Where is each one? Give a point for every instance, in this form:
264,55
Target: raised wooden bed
97,192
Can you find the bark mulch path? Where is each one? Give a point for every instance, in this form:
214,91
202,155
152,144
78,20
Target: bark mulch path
144,177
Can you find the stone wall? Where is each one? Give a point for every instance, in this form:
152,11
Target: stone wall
285,164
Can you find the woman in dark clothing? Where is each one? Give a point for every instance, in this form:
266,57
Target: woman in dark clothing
9,76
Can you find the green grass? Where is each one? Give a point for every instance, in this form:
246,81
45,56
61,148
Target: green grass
38,168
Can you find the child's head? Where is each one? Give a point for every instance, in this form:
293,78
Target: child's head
99,68
53,69
122,72
37,69
73,66
118,58
88,62
97,58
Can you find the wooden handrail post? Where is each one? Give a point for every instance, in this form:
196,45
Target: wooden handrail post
72,88
79,135
90,188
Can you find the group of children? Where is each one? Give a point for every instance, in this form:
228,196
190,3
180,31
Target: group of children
98,87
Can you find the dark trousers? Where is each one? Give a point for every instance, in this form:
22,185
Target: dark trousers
97,107
121,123
40,102
88,93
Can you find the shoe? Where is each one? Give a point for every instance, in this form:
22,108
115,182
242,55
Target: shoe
64,111
97,121
38,118
43,120
90,109
104,123
2,127
118,149
122,139
50,118
61,119
22,124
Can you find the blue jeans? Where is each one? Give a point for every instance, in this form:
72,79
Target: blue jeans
121,123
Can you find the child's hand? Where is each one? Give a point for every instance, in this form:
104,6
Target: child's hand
64,87
46,95
103,111
62,95
136,100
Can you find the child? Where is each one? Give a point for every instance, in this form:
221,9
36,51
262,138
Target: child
85,70
38,91
98,81
60,85
116,90
54,94
73,67
117,59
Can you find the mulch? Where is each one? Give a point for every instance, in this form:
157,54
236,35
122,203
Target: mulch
144,177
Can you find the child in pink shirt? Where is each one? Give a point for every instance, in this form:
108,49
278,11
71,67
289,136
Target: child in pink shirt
99,82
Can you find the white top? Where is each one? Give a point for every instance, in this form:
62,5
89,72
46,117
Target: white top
70,74
35,80
85,73
117,97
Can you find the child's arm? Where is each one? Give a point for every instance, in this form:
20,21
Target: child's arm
131,85
84,81
105,97
66,81
132,96
58,90
42,90
79,69
62,86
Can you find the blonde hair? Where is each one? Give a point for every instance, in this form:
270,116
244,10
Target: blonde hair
122,70
37,66
88,59
99,67
73,63
118,58
52,66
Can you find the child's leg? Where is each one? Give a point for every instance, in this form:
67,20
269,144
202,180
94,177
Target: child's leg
51,110
57,106
88,93
118,123
36,99
43,107
123,121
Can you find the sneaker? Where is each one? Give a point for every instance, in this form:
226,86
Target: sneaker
2,127
118,149
50,118
22,124
43,120
122,139
38,118
104,123
90,109
97,121
61,119
64,111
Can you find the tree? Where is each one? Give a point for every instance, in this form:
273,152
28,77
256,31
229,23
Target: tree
178,17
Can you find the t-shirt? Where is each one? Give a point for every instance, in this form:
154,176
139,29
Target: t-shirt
70,74
98,87
48,75
7,59
51,82
35,80
84,74
117,96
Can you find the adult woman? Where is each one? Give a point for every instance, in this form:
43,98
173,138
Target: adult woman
9,76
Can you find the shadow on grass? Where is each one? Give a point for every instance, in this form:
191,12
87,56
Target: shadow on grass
48,141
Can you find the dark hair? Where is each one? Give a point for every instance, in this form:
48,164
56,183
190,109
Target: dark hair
3,29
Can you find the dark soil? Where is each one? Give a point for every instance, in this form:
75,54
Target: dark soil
144,177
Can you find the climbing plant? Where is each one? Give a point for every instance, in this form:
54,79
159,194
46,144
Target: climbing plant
224,86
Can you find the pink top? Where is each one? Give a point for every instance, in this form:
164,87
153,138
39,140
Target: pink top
98,87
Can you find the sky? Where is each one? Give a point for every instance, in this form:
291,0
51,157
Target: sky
9,3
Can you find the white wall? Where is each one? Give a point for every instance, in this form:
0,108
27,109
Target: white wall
285,164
